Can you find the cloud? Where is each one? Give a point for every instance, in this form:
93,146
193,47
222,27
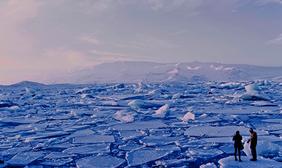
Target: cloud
18,11
40,38
90,39
264,2
13,15
22,57
64,60
174,4
102,56
275,41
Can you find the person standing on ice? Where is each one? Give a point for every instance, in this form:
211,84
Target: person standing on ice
253,140
237,138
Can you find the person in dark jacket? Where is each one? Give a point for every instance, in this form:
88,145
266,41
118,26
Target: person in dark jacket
253,140
237,138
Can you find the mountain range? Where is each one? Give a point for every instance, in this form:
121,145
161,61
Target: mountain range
131,72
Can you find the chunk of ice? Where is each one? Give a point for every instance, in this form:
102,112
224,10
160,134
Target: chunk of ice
124,116
208,165
84,132
94,139
204,153
57,155
88,149
159,140
145,155
129,146
221,131
162,111
268,149
15,150
99,162
131,134
252,89
57,162
273,120
188,116
229,162
262,103
140,125
141,104
25,158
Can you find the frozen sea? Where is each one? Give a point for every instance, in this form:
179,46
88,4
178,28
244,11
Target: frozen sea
138,125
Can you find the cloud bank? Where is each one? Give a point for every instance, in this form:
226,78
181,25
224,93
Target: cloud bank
41,40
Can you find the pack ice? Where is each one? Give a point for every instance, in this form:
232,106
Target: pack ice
173,124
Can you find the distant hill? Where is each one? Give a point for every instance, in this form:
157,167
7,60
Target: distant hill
171,72
26,84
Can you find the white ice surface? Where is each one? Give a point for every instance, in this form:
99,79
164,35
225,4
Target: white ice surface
162,111
229,162
25,158
124,116
94,139
188,116
145,155
140,125
88,149
220,131
208,165
99,162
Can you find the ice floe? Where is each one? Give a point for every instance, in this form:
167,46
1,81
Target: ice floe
145,155
229,162
88,149
25,158
99,162
159,140
221,131
94,139
140,125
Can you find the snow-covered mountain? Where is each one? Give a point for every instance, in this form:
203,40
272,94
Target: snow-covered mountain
169,72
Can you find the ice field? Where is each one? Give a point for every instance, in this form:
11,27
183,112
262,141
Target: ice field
138,125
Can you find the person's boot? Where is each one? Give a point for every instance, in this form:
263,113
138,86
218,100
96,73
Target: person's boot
240,160
236,159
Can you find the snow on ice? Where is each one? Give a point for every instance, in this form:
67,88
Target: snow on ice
229,162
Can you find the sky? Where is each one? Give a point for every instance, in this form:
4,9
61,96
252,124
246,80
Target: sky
43,39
